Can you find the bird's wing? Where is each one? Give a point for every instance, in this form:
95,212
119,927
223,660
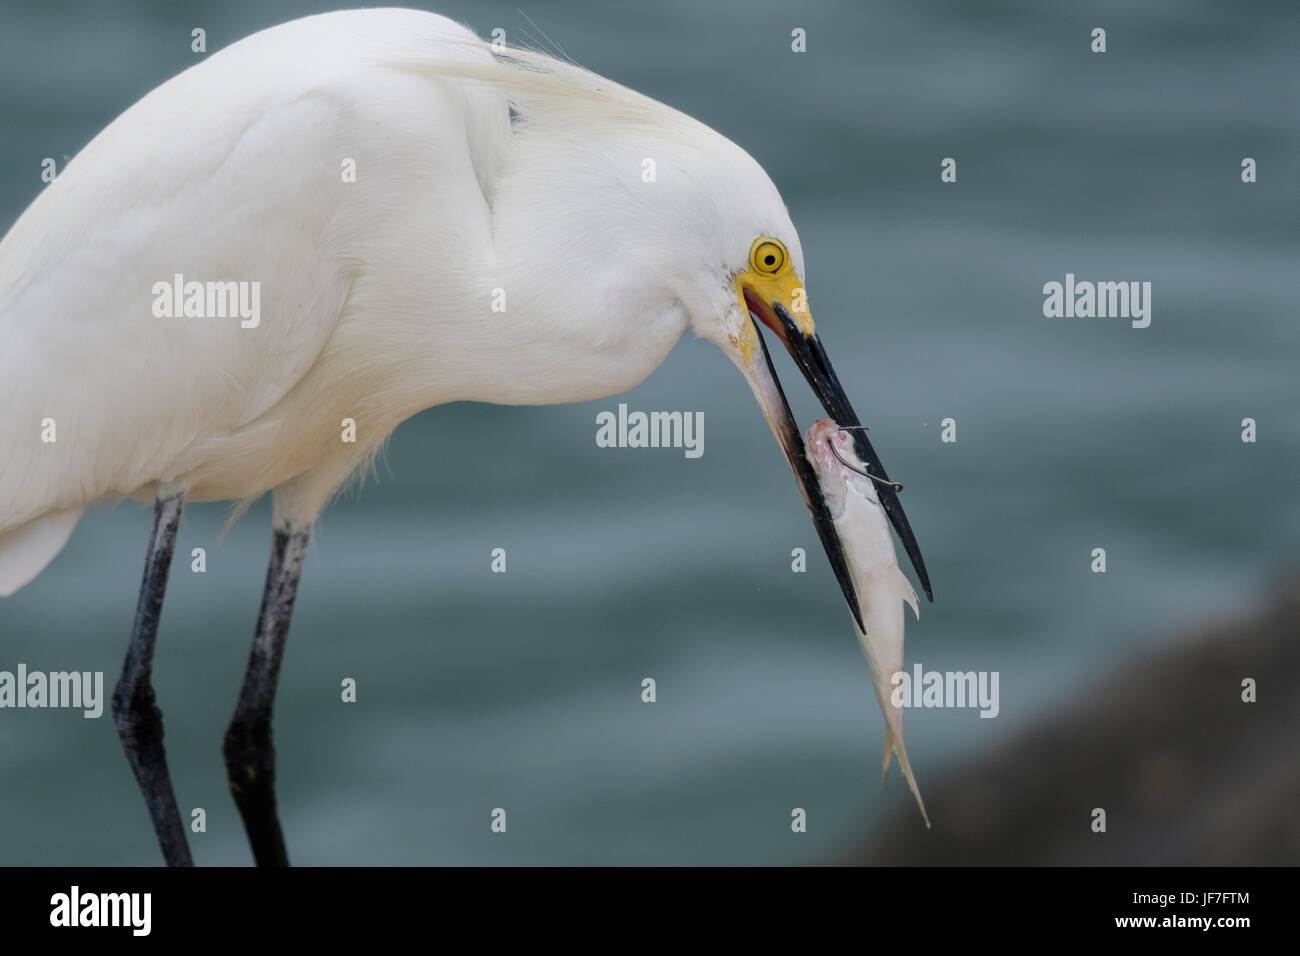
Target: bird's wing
234,171
170,189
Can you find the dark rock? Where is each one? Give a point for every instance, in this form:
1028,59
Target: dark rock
1187,773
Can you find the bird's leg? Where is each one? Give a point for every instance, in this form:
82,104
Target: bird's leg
138,720
250,756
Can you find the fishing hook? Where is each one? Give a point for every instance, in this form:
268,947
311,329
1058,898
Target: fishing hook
851,467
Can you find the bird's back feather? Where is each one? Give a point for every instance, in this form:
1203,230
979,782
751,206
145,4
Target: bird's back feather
233,172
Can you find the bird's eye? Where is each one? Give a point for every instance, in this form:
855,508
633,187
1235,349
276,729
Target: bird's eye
768,256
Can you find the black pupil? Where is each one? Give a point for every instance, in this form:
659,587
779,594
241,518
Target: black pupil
769,259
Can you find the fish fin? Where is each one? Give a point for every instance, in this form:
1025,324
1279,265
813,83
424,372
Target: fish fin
911,780
889,752
906,590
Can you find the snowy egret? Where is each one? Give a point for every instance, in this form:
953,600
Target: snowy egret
357,216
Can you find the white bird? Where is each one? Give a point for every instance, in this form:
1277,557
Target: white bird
357,184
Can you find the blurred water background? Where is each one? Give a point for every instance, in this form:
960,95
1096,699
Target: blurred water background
522,690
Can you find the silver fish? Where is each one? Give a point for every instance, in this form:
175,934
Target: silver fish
881,587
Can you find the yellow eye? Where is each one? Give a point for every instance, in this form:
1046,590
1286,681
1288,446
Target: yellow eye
768,256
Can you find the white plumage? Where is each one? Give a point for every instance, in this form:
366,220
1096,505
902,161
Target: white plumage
376,295
410,218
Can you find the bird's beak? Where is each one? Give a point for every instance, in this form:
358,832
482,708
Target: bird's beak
778,302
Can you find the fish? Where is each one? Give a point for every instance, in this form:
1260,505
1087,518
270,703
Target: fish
881,587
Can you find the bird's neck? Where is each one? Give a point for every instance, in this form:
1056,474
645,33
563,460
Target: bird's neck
582,307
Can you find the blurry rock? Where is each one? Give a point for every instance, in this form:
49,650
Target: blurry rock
1187,773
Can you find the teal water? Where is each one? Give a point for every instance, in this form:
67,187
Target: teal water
522,690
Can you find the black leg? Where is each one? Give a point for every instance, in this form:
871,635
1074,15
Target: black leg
250,756
138,720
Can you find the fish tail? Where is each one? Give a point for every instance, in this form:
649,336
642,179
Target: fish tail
889,752
911,780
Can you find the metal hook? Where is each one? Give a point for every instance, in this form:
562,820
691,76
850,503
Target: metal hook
851,467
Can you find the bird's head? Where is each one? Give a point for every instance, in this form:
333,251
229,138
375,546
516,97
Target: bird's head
751,283
678,221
